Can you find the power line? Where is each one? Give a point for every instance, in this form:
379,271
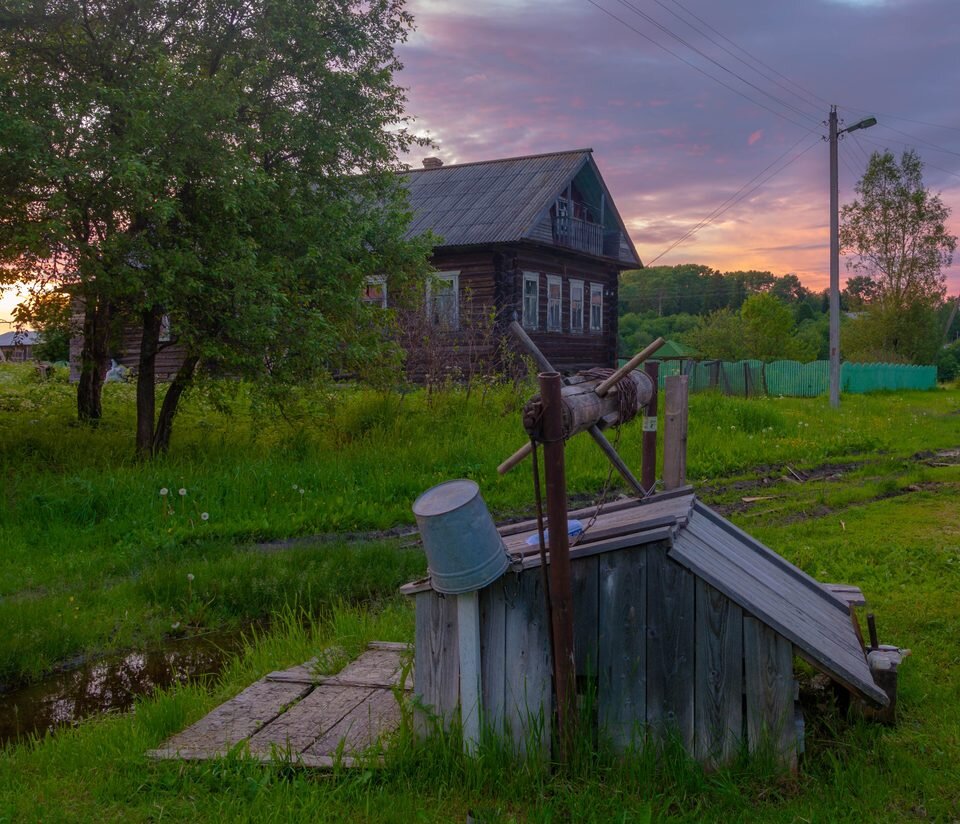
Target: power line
766,76
736,198
694,66
908,145
904,119
921,140
666,30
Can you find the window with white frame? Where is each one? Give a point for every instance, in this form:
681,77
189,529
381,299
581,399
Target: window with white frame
531,299
554,303
596,307
576,306
375,291
443,300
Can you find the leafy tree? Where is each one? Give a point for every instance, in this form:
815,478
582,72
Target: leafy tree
637,330
219,167
860,291
719,335
49,314
896,232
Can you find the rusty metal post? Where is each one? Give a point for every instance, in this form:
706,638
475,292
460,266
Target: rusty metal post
648,472
561,588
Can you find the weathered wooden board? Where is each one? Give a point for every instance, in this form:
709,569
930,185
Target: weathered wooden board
718,691
583,576
670,647
287,719
622,654
769,690
375,668
360,728
295,730
493,655
233,722
436,660
817,622
527,671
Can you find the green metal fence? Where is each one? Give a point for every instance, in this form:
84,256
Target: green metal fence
750,378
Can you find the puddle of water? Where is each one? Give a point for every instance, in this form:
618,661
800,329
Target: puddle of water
111,684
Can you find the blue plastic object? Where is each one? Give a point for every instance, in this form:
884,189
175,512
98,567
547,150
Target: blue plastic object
574,528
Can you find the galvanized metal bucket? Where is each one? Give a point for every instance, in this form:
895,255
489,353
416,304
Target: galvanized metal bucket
464,550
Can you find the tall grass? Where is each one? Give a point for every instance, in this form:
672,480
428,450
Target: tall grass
95,558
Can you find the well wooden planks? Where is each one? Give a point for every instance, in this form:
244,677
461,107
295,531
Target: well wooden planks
436,660
621,685
583,576
234,721
295,730
769,689
670,647
527,671
718,690
493,654
360,728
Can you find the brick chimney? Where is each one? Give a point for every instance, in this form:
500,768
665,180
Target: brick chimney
432,163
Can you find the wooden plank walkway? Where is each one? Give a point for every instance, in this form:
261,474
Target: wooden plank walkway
296,716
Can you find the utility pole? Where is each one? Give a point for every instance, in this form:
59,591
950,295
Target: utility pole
834,265
834,137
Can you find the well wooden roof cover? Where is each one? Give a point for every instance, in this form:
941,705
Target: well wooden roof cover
492,201
781,595
762,583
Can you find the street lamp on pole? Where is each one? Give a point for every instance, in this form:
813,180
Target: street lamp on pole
835,251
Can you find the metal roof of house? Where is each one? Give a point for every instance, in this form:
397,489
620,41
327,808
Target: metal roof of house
492,201
19,338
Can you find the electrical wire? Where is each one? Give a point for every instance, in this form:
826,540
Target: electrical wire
736,198
904,119
694,66
928,143
909,146
735,56
812,95
666,30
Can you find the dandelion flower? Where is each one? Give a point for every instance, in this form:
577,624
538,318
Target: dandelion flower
190,576
175,625
163,492
302,490
295,487
204,516
182,492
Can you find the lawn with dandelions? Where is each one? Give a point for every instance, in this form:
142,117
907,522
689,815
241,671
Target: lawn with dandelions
97,546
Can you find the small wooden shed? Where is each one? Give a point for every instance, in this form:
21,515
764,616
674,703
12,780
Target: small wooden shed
684,626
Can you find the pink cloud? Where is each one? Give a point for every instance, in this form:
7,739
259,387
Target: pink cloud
754,137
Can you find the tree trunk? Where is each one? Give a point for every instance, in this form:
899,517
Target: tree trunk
94,359
146,380
171,401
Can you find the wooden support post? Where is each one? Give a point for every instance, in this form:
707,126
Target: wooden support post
468,629
675,432
561,587
648,468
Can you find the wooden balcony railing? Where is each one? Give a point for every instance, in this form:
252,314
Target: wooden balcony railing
578,234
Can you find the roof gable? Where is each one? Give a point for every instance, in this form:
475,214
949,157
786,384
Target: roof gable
497,201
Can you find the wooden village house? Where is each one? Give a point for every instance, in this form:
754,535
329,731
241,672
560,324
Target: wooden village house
536,237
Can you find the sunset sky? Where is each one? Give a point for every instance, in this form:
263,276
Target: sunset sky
495,78
499,78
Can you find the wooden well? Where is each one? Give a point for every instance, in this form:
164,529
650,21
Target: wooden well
685,627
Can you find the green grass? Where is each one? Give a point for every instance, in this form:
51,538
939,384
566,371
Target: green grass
94,559
79,520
